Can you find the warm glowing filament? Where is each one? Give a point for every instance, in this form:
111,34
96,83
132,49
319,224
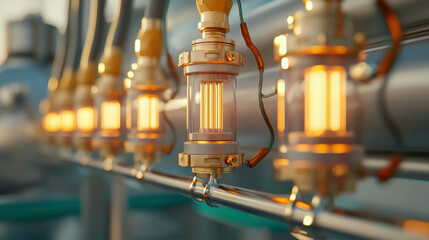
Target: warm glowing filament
281,89
85,119
148,112
129,114
211,105
335,101
51,122
110,115
67,120
325,100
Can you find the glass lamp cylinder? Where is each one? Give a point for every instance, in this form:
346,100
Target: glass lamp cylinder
211,107
144,118
211,68
67,118
324,119
86,114
51,122
109,117
110,104
322,101
320,111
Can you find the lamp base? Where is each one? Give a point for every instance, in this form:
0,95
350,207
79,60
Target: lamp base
211,164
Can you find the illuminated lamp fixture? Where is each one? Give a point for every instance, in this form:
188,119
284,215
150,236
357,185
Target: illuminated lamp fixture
109,93
50,123
320,110
146,85
86,117
67,84
211,69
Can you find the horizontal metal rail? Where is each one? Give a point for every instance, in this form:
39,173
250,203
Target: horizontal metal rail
276,207
411,167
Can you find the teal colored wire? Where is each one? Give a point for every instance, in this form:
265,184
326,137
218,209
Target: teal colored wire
262,108
269,94
240,11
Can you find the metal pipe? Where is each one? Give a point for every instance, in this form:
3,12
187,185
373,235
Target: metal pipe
258,203
410,167
119,28
74,50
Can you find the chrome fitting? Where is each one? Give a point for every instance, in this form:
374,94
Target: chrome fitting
314,34
211,163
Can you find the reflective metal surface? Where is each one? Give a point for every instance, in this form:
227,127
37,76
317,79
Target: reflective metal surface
259,203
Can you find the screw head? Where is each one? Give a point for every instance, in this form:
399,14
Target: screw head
230,56
231,160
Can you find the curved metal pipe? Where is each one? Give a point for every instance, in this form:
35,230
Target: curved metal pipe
60,58
94,37
155,9
411,167
61,54
119,26
74,50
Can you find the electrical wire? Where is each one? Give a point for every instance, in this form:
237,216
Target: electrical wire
396,33
384,70
252,162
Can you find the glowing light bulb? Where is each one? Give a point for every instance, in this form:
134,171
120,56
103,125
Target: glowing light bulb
281,89
110,115
67,120
85,119
211,107
148,112
319,112
325,100
51,122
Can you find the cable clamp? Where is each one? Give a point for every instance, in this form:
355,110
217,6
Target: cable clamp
192,190
212,182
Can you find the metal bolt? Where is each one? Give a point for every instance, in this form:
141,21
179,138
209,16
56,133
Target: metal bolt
230,56
231,160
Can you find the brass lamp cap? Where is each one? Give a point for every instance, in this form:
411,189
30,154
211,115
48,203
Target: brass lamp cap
214,6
